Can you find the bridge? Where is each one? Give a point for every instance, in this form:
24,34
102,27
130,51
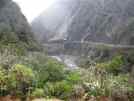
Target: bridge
77,48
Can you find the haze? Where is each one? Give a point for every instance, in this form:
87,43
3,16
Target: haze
32,8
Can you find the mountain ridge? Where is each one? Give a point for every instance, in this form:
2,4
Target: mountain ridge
98,21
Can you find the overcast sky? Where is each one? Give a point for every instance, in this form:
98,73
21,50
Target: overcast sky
32,8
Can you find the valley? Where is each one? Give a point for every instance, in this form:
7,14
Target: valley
75,50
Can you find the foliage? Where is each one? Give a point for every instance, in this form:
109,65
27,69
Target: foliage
54,70
21,73
37,75
98,82
113,66
3,81
16,80
16,42
73,77
37,93
78,92
48,74
61,89
95,82
20,81
64,88
47,69
9,38
9,41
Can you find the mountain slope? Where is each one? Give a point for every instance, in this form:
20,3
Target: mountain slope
103,20
14,28
53,22
109,21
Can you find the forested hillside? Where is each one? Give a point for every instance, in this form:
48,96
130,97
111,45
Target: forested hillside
14,28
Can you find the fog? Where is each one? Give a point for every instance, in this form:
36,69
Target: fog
32,8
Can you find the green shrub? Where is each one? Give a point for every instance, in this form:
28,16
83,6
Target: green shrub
105,84
73,77
50,72
3,82
20,81
38,93
116,64
64,88
14,48
61,89
21,73
54,70
3,76
9,37
47,69
113,66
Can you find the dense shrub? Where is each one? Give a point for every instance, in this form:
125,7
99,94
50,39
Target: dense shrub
114,66
61,89
17,80
37,75
21,73
37,93
47,69
20,81
10,40
54,70
17,49
73,77
64,88
3,81
98,83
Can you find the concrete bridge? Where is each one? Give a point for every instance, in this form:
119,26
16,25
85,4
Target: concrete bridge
77,48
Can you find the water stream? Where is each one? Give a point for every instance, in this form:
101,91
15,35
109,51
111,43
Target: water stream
68,60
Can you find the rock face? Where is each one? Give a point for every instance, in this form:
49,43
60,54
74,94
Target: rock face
54,22
104,20
14,27
108,21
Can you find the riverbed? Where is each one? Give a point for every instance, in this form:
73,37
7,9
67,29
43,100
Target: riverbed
68,60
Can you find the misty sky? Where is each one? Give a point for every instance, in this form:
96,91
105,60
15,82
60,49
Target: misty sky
32,8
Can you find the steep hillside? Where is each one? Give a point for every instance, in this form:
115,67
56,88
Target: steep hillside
103,20
53,23
14,28
109,21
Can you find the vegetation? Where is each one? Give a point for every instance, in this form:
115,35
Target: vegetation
37,93
25,73
107,79
33,74
16,42
113,66
36,75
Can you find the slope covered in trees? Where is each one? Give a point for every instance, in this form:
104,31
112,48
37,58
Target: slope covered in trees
14,28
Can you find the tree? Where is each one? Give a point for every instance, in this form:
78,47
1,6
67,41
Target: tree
21,78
